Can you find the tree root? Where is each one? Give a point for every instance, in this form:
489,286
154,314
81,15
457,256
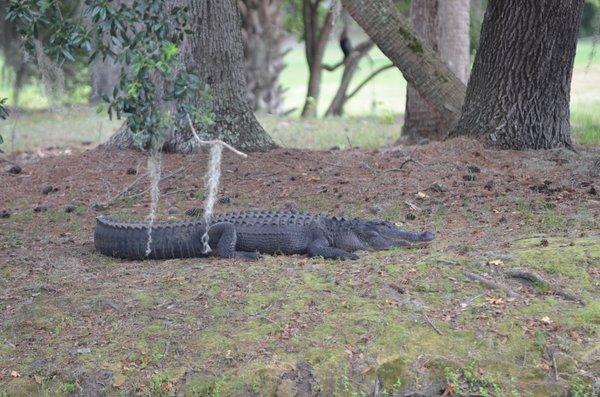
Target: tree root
532,277
490,284
539,281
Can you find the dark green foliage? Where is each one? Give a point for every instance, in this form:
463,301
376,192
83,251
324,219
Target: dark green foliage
155,89
3,113
403,6
146,37
590,19
57,21
3,110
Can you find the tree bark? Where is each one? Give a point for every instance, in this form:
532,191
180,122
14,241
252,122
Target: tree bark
518,95
315,39
263,37
215,53
444,26
419,63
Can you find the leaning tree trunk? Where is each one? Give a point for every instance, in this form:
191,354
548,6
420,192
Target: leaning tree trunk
263,36
444,26
419,63
518,94
214,51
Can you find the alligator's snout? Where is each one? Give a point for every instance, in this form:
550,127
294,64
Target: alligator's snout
426,236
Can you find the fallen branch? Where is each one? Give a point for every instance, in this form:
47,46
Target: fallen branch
403,164
432,325
165,177
490,284
125,192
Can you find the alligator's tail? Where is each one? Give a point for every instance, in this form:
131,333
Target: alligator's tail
130,240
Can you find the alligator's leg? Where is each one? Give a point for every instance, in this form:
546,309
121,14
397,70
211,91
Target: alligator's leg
320,247
223,235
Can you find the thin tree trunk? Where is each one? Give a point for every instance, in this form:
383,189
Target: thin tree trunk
214,51
444,26
336,108
263,37
518,95
453,36
315,39
421,120
419,63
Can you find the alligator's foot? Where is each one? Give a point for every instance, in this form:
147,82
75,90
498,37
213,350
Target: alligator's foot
247,255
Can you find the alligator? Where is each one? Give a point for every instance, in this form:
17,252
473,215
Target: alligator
246,235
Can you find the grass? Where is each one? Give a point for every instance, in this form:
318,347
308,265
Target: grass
585,122
372,115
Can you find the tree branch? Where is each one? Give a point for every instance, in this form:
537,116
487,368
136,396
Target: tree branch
331,68
369,78
325,31
214,141
364,46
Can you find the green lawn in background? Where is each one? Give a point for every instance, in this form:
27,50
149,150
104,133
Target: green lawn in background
371,116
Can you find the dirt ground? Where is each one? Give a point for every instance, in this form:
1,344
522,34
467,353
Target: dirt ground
448,318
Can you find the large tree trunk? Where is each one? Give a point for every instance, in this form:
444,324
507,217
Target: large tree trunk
419,63
444,26
263,36
518,94
214,51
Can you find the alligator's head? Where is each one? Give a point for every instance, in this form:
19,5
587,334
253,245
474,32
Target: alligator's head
380,235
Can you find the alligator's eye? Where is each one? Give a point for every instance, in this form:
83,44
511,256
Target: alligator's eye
372,233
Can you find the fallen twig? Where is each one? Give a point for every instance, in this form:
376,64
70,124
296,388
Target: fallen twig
165,177
554,366
432,325
403,164
125,192
490,284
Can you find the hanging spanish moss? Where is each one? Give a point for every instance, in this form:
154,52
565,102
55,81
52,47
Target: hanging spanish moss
53,78
154,172
213,175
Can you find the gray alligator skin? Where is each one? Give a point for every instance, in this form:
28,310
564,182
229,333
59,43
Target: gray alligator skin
246,234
